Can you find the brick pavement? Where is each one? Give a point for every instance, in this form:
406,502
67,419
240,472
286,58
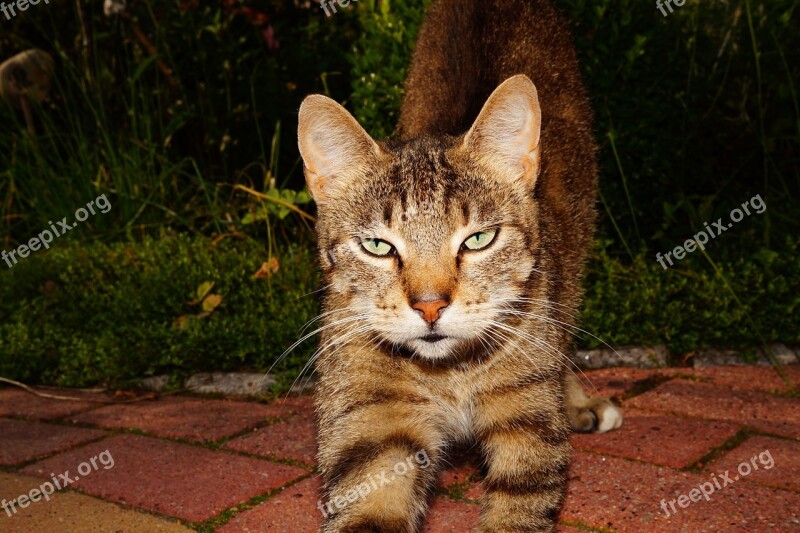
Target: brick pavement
187,463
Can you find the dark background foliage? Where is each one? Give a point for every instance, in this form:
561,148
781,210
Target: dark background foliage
184,114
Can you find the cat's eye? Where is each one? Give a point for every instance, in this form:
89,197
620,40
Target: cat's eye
480,240
377,247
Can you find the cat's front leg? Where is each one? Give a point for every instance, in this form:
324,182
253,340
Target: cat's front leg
378,463
524,436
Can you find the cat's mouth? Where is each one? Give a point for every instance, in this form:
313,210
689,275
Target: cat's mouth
433,337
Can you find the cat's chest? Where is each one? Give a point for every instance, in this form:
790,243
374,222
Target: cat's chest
455,400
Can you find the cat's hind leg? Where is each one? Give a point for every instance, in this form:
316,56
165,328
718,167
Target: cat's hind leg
589,414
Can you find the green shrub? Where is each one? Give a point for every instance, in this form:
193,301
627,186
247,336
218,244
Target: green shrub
695,113
82,314
380,58
753,299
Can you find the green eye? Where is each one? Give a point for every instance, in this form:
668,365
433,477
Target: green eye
480,240
377,247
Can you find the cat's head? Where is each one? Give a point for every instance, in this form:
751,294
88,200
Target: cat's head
426,244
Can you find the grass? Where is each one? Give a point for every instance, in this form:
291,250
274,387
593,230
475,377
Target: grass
166,112
82,314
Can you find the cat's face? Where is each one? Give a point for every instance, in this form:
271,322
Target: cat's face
426,245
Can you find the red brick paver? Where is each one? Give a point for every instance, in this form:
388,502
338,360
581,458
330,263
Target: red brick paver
758,410
615,382
294,509
462,477
237,473
622,495
174,479
447,516
291,439
295,403
755,378
659,439
187,418
18,403
22,441
460,467
777,462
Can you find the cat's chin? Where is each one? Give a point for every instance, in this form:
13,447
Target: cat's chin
433,347
444,349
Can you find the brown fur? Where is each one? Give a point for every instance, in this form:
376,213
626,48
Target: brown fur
521,161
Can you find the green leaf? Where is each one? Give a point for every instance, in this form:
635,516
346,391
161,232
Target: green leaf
204,289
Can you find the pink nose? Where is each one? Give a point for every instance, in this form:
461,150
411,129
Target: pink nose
431,310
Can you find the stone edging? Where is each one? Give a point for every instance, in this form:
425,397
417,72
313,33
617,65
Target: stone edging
658,357
648,357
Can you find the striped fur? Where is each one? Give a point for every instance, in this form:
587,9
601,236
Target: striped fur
493,369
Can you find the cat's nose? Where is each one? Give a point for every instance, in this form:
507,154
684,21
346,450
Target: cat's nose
431,309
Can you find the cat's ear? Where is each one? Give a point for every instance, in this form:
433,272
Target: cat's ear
335,148
505,136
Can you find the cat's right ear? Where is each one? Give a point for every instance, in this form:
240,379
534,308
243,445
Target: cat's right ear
335,148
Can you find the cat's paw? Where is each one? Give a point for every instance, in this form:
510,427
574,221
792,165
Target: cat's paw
609,416
598,417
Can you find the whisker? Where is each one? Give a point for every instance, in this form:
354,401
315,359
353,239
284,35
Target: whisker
318,330
562,325
326,314
339,342
567,311
542,344
313,292
525,353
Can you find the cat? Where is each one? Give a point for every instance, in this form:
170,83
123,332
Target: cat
451,256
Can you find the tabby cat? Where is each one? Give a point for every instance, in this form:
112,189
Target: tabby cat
452,256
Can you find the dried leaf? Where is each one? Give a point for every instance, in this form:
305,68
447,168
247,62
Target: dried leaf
211,302
268,269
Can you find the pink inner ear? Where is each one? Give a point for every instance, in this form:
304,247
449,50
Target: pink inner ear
530,131
316,184
530,166
319,154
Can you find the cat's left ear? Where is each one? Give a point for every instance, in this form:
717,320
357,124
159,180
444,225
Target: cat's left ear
335,148
505,136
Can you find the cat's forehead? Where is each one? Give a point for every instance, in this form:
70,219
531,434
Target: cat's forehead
421,194
418,177
420,168
422,197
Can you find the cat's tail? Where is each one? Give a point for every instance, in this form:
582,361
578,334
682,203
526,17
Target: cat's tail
466,49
